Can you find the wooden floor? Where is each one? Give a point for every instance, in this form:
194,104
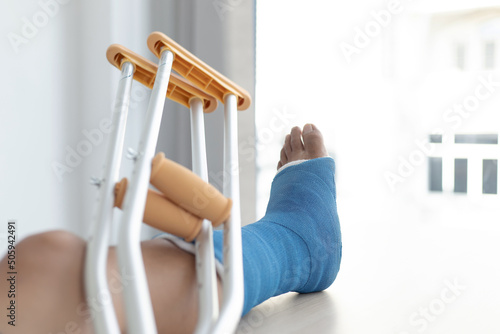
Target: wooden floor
398,277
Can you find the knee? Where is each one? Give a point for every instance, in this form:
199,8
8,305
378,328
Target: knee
50,251
52,241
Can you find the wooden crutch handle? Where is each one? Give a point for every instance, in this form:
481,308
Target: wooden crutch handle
179,89
197,72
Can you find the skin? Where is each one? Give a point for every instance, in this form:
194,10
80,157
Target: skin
50,295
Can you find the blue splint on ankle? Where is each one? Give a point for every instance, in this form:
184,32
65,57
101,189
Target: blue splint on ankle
297,245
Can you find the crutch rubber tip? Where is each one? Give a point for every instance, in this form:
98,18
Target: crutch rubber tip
162,214
189,191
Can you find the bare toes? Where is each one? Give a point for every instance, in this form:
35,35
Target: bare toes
313,142
302,144
296,141
283,157
288,145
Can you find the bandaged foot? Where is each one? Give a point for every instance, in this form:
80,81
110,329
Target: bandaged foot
296,246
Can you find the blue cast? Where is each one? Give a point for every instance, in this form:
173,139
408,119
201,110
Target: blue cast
297,245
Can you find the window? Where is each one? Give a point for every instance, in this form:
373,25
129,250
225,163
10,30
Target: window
435,174
436,138
489,55
477,139
469,149
460,176
490,175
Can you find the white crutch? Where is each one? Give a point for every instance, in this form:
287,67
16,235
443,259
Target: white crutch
137,301
138,307
178,90
140,318
232,304
208,306
234,98
96,285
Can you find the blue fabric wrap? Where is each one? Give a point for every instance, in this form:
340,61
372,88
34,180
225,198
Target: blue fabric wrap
297,245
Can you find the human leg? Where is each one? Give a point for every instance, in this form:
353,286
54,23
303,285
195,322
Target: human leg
48,283
295,247
50,290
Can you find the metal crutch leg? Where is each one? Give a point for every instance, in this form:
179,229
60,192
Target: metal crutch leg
235,98
96,285
232,304
208,306
139,311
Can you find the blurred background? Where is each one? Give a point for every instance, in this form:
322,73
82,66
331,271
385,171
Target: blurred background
406,93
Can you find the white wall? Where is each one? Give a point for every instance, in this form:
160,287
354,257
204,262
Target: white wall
40,112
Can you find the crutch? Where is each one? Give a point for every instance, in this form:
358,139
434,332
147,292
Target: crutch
132,66
234,98
198,102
